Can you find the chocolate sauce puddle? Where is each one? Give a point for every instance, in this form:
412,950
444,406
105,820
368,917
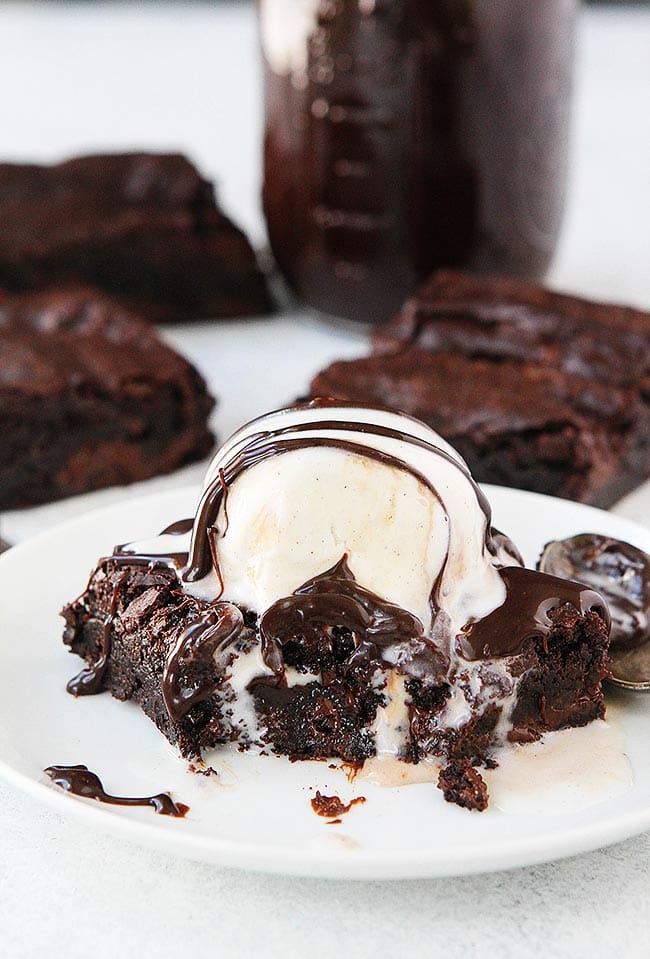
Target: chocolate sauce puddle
80,781
530,596
332,807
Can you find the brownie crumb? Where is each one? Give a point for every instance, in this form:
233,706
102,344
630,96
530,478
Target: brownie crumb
4,545
463,785
207,771
332,806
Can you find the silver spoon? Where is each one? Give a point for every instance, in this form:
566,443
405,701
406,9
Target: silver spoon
621,572
630,668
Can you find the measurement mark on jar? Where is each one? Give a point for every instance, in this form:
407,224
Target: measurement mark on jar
354,169
329,218
344,214
360,116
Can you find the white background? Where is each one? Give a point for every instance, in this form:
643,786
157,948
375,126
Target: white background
80,77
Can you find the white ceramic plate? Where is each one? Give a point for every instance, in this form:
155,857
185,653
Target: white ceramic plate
257,814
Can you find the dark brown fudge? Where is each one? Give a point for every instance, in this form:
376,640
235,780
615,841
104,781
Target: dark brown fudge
525,425
144,227
90,396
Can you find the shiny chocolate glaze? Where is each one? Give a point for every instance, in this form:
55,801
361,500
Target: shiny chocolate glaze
178,528
126,554
402,135
530,597
88,682
202,648
332,609
388,635
82,782
618,570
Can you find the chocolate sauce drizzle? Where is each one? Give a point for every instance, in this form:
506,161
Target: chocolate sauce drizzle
333,600
500,542
88,682
125,554
122,556
193,669
530,596
261,446
179,528
80,781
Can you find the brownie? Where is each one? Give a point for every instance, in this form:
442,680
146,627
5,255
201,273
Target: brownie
133,617
500,318
144,227
463,785
147,612
90,397
526,425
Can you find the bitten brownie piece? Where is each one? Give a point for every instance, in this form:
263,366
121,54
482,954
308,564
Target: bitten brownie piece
90,397
145,227
125,625
500,318
516,424
133,618
129,625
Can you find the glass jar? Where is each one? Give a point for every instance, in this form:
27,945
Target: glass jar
404,135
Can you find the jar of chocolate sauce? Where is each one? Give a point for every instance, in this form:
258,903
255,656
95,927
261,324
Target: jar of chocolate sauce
404,135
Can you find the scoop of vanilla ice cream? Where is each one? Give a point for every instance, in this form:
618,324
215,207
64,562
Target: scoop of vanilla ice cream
380,487
293,516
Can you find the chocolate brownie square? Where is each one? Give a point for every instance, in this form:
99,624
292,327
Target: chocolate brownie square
525,425
132,617
501,318
90,397
141,226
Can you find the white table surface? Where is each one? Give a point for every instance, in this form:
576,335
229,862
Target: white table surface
107,76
